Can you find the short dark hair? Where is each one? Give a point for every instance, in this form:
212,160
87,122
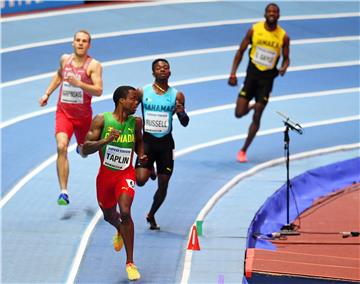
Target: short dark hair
272,4
158,60
85,32
121,92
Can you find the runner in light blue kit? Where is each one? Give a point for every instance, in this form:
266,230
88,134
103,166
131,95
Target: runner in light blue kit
158,110
159,102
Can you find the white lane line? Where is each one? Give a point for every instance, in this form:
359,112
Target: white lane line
178,54
235,180
205,210
262,133
195,112
178,27
29,176
82,247
294,96
217,50
26,116
97,216
85,238
179,153
27,79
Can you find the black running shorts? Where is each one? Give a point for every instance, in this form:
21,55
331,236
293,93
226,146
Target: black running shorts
160,151
258,84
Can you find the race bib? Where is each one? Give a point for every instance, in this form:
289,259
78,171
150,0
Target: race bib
264,57
117,158
71,94
156,122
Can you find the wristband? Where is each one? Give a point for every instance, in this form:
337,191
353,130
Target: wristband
183,117
182,114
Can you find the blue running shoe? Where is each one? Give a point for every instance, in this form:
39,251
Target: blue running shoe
63,199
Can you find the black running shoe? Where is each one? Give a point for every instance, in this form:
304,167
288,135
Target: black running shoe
152,222
153,174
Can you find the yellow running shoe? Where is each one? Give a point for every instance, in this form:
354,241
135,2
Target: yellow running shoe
118,242
132,272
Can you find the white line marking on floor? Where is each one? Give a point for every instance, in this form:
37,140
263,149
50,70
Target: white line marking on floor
177,27
235,180
187,82
179,54
179,153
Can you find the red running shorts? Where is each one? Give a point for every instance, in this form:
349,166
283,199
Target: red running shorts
69,126
110,185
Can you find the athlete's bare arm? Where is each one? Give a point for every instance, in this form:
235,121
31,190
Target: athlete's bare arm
238,57
54,83
180,109
92,141
285,55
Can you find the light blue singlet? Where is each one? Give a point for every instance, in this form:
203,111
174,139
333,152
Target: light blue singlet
158,111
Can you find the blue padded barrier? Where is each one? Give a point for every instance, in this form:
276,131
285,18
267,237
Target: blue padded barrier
306,188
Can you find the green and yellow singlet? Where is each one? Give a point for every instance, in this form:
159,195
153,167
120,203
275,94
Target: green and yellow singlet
118,154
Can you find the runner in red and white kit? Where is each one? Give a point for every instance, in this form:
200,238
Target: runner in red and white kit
80,78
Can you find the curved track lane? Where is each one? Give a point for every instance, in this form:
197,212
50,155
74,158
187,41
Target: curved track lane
61,228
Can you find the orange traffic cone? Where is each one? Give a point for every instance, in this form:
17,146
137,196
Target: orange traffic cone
194,241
